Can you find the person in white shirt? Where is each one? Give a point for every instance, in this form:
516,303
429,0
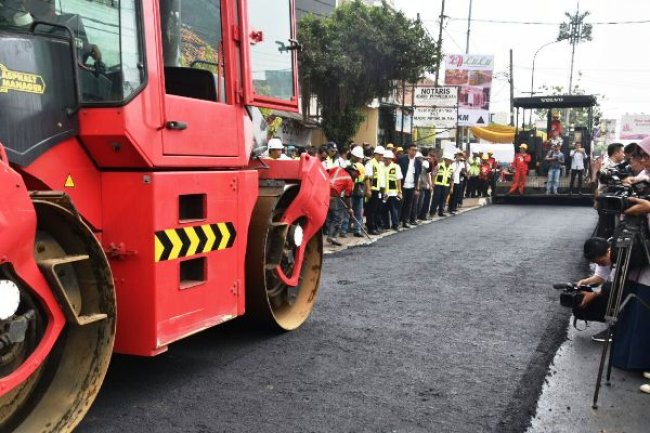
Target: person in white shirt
411,168
578,156
460,172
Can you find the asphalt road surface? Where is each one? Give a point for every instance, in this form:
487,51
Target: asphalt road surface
449,327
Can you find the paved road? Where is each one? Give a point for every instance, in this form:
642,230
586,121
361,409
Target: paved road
449,328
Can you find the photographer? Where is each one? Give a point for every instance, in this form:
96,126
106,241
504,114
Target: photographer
606,221
632,340
594,304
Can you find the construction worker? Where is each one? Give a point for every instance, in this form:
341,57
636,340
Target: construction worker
473,172
359,189
520,164
330,161
341,187
441,184
494,165
275,149
375,186
393,197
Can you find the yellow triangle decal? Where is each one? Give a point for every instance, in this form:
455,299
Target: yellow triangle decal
69,183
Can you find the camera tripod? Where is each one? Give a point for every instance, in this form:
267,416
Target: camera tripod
631,232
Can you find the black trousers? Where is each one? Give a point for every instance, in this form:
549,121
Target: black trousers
408,205
440,194
579,174
372,211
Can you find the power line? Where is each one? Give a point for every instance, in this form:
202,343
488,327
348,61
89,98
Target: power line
544,23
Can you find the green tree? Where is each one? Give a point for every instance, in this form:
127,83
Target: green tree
357,54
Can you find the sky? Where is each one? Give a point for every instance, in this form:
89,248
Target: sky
615,65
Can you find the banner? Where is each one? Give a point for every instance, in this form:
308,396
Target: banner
440,118
429,96
473,76
635,126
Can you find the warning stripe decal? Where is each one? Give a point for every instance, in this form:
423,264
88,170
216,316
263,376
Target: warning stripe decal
172,244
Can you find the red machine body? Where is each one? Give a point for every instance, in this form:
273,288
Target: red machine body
163,178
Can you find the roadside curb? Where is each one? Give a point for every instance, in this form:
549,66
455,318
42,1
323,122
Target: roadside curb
351,242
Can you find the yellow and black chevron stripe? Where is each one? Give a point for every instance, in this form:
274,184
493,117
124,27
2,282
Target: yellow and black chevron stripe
172,244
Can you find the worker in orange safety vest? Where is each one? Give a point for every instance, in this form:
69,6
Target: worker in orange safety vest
520,164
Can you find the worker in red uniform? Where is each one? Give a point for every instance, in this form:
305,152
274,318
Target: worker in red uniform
556,126
520,164
341,186
494,165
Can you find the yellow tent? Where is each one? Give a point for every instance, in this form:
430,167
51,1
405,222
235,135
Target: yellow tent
497,133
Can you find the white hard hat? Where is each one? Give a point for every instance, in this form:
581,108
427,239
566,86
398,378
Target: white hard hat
418,154
380,150
357,151
448,155
23,19
275,143
388,154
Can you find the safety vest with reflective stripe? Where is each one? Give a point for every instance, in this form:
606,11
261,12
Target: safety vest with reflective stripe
391,178
376,172
474,166
443,175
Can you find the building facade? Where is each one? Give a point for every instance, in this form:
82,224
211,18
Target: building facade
317,7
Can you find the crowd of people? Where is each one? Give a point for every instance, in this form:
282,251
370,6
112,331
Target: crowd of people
393,188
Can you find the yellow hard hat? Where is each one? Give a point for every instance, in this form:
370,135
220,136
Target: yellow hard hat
399,149
485,157
390,146
523,146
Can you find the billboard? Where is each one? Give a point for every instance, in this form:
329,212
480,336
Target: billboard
472,74
429,96
635,126
430,117
435,107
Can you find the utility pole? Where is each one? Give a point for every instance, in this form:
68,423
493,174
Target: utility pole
439,47
512,92
469,24
575,31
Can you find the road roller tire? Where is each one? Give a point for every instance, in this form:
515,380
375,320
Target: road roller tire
57,396
268,301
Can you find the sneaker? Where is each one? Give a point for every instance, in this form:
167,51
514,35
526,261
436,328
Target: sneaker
645,388
343,235
358,235
601,336
646,374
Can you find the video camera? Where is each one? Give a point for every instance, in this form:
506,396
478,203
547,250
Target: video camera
615,198
572,294
615,174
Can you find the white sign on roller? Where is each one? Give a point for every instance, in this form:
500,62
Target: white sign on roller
436,96
439,118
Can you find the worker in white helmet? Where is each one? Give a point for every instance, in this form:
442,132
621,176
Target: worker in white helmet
276,149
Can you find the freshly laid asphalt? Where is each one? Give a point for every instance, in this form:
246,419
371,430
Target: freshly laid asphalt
448,327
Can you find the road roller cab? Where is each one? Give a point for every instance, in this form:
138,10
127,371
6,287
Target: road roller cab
135,212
